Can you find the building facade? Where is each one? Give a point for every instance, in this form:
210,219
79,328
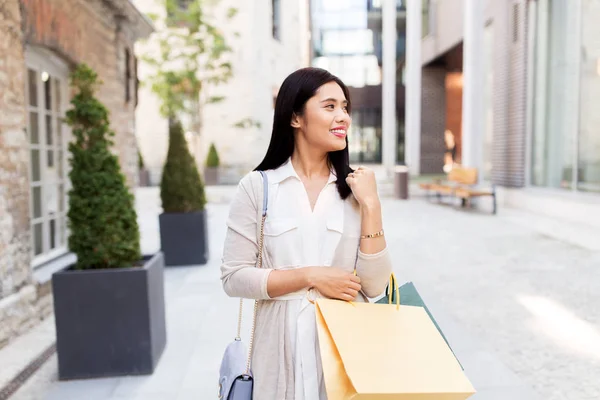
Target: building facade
40,42
517,83
347,39
269,40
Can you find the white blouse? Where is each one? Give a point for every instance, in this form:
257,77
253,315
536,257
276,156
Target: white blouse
303,237
285,357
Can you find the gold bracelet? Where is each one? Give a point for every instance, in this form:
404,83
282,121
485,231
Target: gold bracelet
372,235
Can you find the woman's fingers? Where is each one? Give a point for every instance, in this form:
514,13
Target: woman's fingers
348,297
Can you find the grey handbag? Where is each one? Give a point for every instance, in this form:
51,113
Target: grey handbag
236,381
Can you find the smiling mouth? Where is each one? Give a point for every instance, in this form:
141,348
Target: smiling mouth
338,132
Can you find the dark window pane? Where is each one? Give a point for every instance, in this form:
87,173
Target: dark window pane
50,158
47,92
49,130
35,165
53,233
127,76
33,85
34,131
38,246
37,202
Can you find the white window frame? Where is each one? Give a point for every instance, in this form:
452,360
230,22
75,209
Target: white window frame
43,60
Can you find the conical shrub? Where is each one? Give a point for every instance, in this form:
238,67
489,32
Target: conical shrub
102,216
212,159
181,188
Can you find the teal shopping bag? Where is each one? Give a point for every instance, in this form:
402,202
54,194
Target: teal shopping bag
409,296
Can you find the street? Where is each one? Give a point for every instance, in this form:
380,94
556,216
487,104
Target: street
520,308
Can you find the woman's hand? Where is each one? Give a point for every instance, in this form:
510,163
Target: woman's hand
334,283
364,187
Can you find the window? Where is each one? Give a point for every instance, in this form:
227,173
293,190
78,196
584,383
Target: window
376,4
276,20
127,76
46,91
137,80
556,96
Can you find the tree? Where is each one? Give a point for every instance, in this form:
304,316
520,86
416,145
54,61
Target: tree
181,188
212,159
191,53
102,216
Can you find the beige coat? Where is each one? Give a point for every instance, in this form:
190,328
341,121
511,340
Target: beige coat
272,363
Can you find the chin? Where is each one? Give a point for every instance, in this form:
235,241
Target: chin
335,148
340,145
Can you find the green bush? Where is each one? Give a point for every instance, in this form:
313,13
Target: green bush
212,159
181,188
102,216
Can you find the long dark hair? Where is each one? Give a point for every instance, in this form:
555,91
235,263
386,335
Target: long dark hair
295,91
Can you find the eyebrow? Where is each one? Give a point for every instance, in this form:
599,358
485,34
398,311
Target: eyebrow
334,100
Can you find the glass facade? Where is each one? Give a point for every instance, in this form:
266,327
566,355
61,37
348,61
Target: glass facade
346,40
566,123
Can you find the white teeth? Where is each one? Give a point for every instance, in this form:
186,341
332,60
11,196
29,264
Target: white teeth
338,131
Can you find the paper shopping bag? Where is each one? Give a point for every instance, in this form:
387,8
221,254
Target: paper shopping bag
382,351
409,296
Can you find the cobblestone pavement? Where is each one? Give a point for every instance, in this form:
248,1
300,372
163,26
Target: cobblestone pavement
521,309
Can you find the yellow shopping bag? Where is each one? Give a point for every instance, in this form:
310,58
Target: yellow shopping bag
385,351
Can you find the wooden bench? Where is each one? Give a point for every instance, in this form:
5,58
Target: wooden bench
461,183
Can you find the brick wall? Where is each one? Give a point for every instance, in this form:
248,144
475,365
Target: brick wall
510,84
77,31
14,183
87,31
433,119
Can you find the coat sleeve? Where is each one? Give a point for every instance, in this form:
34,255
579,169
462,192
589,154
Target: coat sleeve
374,272
239,275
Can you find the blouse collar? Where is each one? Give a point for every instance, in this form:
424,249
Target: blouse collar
286,170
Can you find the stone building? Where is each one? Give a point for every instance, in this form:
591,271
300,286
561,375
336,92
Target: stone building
268,42
40,43
518,83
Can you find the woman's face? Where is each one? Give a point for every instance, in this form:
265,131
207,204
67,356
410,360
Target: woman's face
325,121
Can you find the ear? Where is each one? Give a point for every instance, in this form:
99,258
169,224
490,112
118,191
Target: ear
295,123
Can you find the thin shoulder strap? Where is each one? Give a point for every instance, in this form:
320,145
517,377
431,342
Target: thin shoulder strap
265,192
260,241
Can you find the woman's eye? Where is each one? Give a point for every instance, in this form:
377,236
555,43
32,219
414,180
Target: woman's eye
331,106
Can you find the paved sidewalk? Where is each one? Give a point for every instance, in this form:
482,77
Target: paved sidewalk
520,309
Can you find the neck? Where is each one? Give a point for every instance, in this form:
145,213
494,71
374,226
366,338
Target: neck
309,165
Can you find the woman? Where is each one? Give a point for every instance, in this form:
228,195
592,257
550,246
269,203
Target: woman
323,220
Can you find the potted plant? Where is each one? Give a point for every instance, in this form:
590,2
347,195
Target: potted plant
211,172
183,233
109,306
144,174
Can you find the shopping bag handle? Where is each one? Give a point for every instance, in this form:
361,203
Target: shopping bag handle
393,287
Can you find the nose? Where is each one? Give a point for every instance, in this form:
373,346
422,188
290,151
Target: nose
342,118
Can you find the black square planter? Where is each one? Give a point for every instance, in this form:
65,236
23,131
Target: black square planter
110,322
183,238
